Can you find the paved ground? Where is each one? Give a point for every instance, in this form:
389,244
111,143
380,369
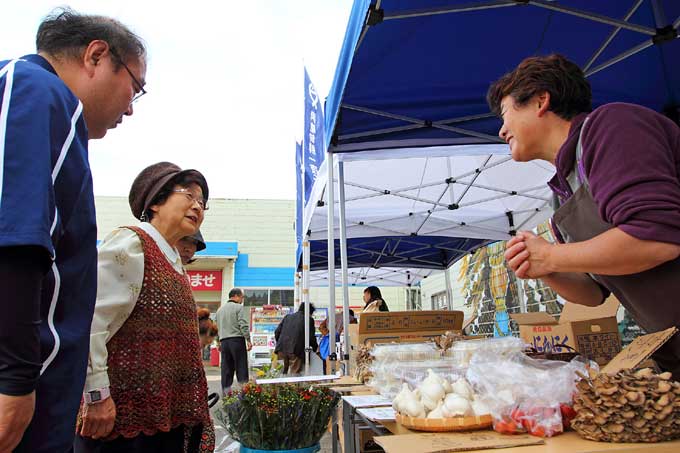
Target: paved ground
223,440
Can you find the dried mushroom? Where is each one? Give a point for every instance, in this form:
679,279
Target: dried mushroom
631,406
363,373
444,342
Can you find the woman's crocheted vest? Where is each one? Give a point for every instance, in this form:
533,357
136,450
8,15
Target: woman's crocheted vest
154,363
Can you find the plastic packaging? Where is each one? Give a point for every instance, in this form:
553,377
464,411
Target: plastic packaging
312,449
524,394
463,351
396,363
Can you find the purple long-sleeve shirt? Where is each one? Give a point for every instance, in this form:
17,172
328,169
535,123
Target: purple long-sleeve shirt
631,158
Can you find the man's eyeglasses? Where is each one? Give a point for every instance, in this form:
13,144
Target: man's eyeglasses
190,196
139,88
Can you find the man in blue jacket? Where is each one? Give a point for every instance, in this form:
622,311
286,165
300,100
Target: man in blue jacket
87,72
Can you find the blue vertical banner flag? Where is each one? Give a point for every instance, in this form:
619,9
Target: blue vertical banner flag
298,203
314,139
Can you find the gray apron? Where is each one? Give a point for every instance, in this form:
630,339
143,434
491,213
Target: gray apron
651,297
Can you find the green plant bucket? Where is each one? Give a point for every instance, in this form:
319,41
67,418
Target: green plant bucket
312,449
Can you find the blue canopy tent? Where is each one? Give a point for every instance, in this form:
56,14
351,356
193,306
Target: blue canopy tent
412,76
391,261
415,73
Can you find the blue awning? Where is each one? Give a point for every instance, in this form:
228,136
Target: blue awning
416,73
420,252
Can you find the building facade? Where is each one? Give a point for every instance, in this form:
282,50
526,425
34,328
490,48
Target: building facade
250,245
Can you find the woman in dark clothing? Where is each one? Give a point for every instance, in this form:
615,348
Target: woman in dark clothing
374,300
617,195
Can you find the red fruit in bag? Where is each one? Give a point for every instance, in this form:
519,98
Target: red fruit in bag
568,414
538,431
505,427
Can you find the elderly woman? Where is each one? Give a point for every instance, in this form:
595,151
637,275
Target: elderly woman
146,389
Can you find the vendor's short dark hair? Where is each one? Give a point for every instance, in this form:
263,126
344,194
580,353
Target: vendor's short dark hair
184,180
569,90
65,32
234,292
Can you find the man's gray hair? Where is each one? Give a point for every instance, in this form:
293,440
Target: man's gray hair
65,32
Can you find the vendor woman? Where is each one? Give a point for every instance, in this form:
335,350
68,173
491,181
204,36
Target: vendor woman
616,190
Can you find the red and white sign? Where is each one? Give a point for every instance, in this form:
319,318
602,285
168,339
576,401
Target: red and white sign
205,280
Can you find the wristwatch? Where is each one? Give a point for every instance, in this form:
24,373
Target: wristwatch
96,396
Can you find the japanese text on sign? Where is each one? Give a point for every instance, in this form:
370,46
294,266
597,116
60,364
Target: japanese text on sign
205,280
548,343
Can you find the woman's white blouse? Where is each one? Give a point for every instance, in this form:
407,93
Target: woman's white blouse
120,272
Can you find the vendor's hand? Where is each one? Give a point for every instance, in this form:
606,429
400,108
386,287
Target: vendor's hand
16,413
516,255
249,346
528,255
98,419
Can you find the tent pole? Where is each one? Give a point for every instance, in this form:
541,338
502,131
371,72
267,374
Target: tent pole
305,297
343,262
331,259
449,289
298,291
520,295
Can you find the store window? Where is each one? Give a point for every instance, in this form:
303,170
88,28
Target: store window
413,299
439,301
267,296
256,297
283,297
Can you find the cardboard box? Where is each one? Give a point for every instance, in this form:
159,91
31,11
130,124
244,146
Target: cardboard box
401,326
385,327
490,441
639,351
591,331
367,443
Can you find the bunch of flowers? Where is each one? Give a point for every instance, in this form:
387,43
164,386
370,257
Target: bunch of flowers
268,371
278,417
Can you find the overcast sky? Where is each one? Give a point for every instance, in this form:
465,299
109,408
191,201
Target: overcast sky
224,81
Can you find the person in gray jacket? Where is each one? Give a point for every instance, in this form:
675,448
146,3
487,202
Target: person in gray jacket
232,327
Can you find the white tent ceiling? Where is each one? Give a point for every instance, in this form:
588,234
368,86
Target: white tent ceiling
370,276
474,191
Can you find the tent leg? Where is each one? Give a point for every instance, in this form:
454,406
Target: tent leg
331,260
520,295
305,297
298,291
343,262
449,289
